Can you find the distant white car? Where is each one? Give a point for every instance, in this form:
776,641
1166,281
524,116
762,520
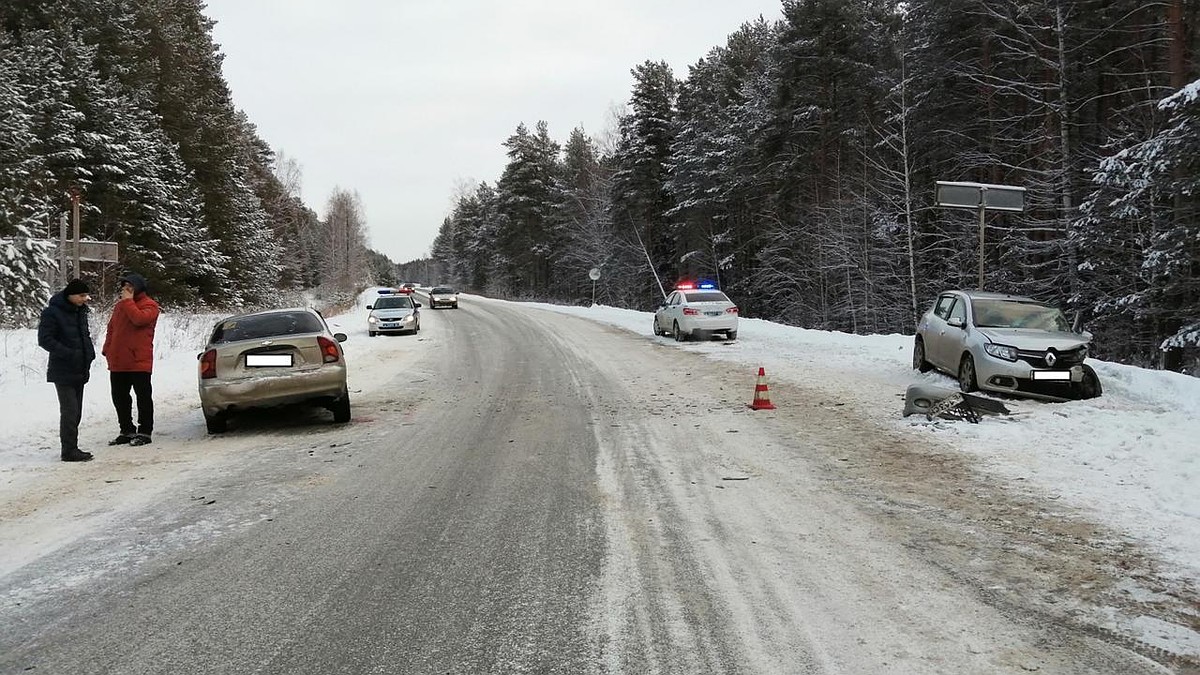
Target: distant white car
443,296
394,313
696,311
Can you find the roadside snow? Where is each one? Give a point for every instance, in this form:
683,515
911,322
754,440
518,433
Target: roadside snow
1130,457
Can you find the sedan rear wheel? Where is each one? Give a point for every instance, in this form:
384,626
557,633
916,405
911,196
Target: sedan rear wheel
341,408
215,423
966,374
655,329
731,335
680,336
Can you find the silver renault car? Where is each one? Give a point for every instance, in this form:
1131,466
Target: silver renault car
1007,344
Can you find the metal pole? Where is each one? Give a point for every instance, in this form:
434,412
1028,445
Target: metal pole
593,292
982,210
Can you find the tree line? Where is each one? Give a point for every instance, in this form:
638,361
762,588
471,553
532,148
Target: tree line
124,101
796,164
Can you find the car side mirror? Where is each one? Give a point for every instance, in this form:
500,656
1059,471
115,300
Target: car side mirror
417,304
956,322
370,306
200,356
340,337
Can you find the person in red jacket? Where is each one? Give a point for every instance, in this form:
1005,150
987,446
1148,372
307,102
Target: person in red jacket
129,348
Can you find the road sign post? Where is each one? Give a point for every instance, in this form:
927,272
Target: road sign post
594,274
980,196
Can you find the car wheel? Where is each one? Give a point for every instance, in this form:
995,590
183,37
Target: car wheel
966,374
680,336
341,408
215,423
1089,386
454,306
919,362
731,335
371,333
656,329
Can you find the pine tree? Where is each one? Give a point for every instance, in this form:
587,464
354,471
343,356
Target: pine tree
526,201
641,199
23,260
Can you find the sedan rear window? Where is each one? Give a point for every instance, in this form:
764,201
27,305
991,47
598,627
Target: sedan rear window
258,326
706,296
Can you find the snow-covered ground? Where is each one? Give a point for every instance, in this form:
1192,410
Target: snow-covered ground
1130,458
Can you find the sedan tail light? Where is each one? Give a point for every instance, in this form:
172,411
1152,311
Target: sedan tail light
688,311
329,350
731,310
208,365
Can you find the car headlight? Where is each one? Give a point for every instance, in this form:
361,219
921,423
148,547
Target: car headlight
408,318
1001,351
372,319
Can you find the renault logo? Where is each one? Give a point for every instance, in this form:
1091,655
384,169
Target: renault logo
1051,358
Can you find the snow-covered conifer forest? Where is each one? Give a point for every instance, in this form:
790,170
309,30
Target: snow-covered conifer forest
794,164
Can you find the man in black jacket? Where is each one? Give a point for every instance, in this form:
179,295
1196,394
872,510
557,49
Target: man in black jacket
63,331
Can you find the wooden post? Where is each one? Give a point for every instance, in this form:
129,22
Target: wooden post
75,217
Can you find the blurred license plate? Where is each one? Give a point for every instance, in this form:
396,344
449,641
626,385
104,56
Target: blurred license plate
1051,374
712,314
268,360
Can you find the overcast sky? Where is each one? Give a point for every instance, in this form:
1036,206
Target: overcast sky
405,101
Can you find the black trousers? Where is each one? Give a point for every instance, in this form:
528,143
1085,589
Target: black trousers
123,402
70,411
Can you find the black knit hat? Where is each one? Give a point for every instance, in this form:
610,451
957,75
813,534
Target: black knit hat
75,287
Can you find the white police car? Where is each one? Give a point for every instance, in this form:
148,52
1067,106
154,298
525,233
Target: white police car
393,313
696,311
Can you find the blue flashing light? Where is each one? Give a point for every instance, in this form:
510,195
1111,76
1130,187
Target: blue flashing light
708,285
385,291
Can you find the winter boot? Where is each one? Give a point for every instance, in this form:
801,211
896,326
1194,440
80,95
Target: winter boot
140,439
123,439
76,455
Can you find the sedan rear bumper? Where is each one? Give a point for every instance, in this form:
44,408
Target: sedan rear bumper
323,385
709,324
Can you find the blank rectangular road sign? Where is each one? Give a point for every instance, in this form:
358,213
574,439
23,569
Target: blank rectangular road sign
97,251
964,195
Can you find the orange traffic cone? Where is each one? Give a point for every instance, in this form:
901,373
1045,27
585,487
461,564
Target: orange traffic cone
762,401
